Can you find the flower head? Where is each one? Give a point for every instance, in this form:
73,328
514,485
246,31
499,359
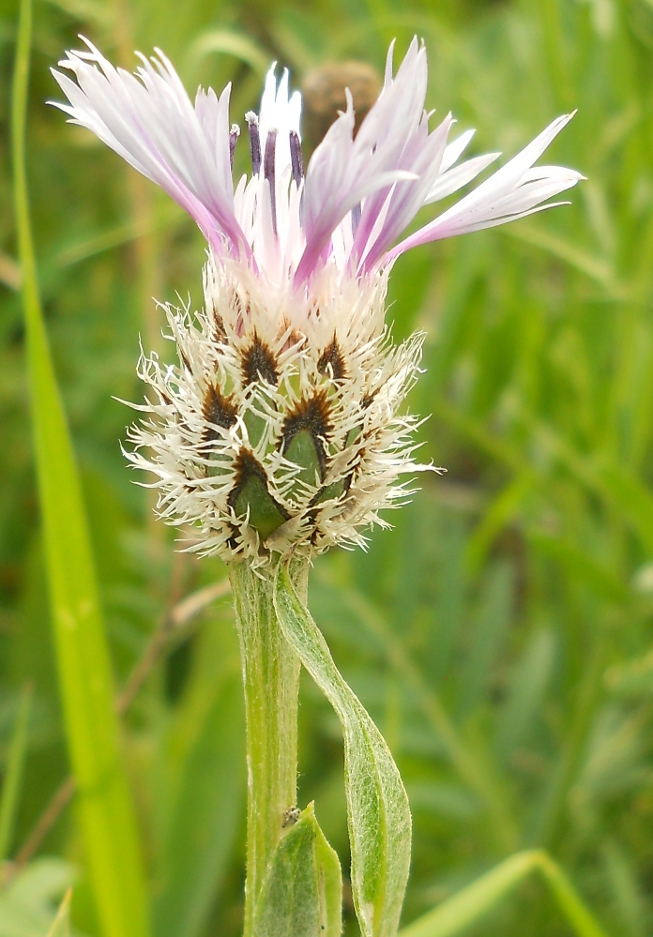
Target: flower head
279,428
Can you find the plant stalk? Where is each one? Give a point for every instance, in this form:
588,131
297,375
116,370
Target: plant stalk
271,684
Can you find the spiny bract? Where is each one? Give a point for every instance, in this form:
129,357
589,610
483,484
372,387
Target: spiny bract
279,429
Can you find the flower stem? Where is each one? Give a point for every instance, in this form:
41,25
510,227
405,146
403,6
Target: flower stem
271,684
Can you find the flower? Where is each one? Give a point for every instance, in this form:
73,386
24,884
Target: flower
280,428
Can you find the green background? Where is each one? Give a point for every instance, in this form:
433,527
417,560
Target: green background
500,634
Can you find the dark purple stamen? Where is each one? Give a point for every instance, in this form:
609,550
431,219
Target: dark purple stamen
254,141
355,217
269,174
233,136
296,157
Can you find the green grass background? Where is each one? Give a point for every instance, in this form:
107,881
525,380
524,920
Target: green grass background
500,635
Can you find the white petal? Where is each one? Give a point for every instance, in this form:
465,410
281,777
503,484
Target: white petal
449,182
150,121
512,192
455,149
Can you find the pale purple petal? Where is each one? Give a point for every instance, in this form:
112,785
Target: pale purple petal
422,156
512,192
399,108
455,149
357,195
150,121
453,179
341,172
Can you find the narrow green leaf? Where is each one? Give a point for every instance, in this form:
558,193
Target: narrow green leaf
581,566
528,683
205,817
302,891
14,773
632,498
471,903
28,903
573,908
377,806
496,516
494,615
82,653
595,267
229,42
61,924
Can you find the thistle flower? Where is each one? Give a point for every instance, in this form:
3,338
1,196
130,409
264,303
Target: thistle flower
281,427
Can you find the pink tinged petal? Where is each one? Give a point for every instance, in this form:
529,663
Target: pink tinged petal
213,115
514,191
365,262
424,158
506,179
294,233
449,182
400,106
150,121
342,170
455,149
415,148
134,151
339,175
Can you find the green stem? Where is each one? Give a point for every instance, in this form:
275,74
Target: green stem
271,684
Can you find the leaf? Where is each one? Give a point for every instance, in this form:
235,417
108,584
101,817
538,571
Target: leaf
632,498
229,42
302,891
595,267
27,903
470,904
61,924
205,817
85,678
14,772
581,566
528,684
377,805
502,509
493,617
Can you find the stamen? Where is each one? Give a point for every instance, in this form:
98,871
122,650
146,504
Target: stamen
355,217
254,141
296,157
233,136
269,173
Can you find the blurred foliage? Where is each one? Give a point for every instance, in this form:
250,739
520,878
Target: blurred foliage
501,634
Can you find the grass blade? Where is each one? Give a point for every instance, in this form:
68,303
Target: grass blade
82,653
469,905
61,924
578,915
14,773
201,832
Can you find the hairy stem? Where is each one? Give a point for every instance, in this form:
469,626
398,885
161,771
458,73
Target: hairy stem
271,683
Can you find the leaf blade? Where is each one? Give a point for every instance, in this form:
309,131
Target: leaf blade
470,904
302,892
61,924
11,787
82,653
377,805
